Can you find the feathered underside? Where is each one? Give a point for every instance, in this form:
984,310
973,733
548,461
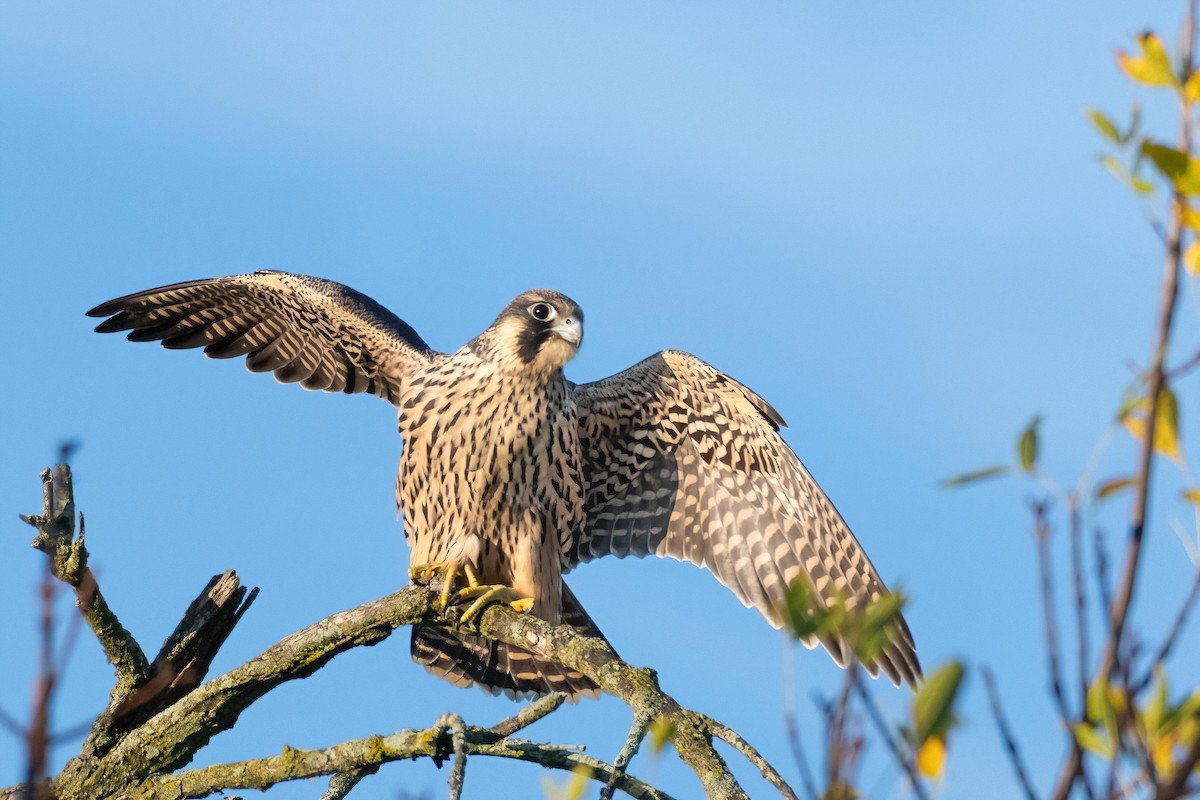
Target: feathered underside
681,460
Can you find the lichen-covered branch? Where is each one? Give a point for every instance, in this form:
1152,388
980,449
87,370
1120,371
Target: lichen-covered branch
68,562
162,716
765,768
637,687
169,740
358,755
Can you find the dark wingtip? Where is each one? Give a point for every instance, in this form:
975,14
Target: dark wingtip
117,322
105,309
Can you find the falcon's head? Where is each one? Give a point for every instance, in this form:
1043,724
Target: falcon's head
540,330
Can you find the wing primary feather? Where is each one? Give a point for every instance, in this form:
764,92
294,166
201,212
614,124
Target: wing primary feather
313,331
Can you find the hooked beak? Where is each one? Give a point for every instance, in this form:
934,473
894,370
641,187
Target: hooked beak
570,329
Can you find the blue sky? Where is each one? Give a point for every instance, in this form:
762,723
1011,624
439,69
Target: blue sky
890,221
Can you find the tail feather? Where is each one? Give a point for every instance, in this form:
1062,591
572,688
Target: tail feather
465,659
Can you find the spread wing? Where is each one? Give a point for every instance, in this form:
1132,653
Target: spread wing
316,332
681,460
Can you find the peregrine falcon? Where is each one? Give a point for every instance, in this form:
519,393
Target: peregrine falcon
511,475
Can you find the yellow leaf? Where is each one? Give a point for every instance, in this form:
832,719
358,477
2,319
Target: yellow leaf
1161,753
1191,90
1191,217
1192,496
1152,67
1191,258
1166,426
1113,486
931,757
574,787
1137,184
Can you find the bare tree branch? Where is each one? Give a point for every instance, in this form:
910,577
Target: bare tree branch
341,783
1080,590
1010,742
156,726
732,738
806,776
1049,622
1156,380
355,756
1164,650
637,732
902,758
68,562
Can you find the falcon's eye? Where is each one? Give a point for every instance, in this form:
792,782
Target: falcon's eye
542,312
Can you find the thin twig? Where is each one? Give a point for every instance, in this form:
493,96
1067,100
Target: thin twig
37,736
10,723
637,732
1172,637
732,738
903,759
356,755
458,740
1080,587
1049,622
839,754
1010,742
806,776
1185,367
341,783
1103,580
529,714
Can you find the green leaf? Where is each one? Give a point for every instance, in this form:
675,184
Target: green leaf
1100,706
934,703
1178,167
871,629
1113,486
1027,445
1090,740
806,615
1166,427
661,730
1105,125
974,476
1156,712
1137,184
1150,68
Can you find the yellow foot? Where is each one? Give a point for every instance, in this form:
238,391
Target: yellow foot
485,596
448,571
423,574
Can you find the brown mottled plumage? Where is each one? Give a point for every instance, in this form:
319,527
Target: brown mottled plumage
514,471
